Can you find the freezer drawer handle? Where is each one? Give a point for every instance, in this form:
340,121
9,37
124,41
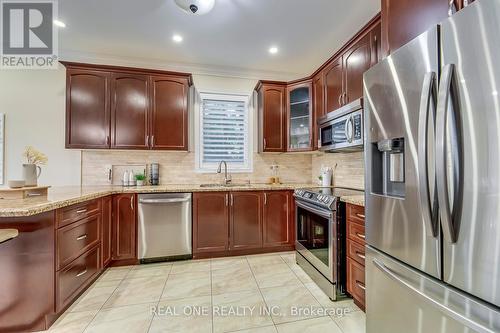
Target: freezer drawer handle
429,205
447,311
447,85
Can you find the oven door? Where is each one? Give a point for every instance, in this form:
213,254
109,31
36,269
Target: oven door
315,235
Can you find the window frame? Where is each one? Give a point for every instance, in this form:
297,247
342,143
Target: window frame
247,166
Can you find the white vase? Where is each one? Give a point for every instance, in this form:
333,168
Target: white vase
31,172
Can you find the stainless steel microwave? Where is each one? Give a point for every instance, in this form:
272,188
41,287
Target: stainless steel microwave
342,130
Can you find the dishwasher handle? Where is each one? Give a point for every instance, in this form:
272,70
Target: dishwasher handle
163,201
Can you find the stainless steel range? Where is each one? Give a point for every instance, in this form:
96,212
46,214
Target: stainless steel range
320,240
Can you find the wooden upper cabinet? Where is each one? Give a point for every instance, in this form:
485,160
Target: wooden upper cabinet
272,114
124,227
126,108
278,223
300,117
245,220
403,20
87,108
210,222
129,111
169,120
357,60
333,85
318,90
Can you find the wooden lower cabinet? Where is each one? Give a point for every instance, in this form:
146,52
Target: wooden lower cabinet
74,278
245,227
278,219
27,274
210,222
238,223
106,230
356,253
124,228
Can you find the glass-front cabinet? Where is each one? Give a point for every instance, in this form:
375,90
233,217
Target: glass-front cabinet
300,117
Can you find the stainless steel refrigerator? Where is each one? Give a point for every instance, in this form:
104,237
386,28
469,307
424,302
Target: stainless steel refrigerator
432,154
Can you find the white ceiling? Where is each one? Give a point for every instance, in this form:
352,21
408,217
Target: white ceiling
233,39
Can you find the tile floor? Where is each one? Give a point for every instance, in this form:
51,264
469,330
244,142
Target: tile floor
261,293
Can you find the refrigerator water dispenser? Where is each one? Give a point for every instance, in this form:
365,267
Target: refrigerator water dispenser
388,166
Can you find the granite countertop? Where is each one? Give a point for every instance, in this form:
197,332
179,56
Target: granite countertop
358,200
6,234
63,196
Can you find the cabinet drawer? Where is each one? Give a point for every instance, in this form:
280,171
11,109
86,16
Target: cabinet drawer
68,215
356,280
356,214
356,252
356,232
74,278
75,239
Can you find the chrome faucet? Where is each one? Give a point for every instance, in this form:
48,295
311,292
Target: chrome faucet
227,179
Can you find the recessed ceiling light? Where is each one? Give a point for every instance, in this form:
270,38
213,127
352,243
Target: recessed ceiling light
273,50
60,24
177,38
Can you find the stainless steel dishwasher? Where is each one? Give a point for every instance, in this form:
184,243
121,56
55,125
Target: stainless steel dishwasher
164,227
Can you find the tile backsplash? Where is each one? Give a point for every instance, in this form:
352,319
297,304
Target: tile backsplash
179,167
350,171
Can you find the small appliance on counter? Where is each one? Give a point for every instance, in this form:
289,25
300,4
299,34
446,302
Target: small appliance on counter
154,174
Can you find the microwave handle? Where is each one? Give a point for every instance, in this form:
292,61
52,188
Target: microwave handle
348,129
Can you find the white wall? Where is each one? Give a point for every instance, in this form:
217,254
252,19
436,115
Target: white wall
34,104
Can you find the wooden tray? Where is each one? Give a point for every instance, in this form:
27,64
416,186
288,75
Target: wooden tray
23,192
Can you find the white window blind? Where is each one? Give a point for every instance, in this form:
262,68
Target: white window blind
224,131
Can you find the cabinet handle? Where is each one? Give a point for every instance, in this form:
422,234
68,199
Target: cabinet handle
227,199
361,285
360,235
232,199
147,141
82,237
340,102
132,202
152,140
265,143
107,140
82,273
361,216
361,255
81,211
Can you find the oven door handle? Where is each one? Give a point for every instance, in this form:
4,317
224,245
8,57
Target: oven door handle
323,213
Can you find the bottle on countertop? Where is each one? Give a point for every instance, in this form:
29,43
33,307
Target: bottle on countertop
125,178
131,178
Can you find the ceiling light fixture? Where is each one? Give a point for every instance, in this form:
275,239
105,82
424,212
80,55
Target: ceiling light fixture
196,7
177,38
60,24
273,50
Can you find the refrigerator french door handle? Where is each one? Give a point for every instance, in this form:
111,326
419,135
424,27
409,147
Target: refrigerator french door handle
476,327
427,100
445,88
